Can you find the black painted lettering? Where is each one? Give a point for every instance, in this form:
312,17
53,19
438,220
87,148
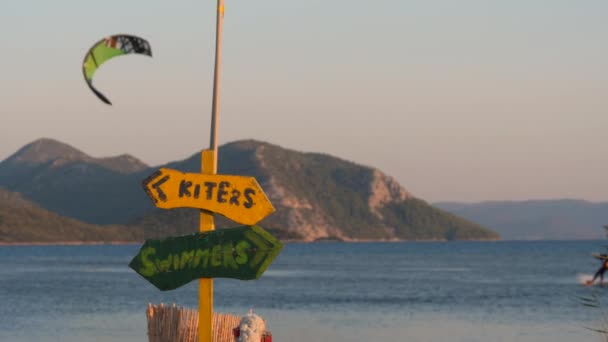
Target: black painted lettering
161,195
234,197
184,188
210,186
248,200
197,190
221,192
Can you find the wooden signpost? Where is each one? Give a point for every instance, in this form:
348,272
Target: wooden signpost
239,253
239,198
242,253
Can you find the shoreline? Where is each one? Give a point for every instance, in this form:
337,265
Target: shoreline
69,243
119,243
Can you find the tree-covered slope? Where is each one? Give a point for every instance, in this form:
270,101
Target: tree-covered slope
23,221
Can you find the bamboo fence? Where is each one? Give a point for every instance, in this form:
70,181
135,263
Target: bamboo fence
169,323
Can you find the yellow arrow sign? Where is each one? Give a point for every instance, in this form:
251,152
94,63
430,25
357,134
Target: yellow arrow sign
239,198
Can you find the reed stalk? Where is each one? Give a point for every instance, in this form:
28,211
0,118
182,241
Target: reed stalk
170,323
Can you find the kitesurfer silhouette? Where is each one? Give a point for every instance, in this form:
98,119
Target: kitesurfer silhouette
600,272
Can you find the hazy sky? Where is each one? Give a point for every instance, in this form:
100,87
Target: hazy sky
458,100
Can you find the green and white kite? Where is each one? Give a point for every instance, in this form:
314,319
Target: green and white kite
109,48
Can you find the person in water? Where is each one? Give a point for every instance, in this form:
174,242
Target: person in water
600,272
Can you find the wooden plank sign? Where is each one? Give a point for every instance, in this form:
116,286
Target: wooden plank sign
239,198
239,253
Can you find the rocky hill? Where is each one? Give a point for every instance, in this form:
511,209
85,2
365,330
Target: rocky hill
317,196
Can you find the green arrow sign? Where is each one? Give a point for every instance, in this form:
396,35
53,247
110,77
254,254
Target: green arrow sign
240,253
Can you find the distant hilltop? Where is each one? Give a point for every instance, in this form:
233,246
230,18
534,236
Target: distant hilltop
44,151
562,219
317,196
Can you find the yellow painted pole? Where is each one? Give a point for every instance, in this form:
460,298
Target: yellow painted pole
205,285
209,166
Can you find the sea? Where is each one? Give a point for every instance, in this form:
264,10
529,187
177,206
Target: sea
407,291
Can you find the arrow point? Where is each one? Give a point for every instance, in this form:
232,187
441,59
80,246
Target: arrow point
148,180
270,245
153,183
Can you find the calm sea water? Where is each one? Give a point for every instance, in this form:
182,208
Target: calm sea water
457,291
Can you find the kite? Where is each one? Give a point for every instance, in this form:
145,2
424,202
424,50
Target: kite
109,48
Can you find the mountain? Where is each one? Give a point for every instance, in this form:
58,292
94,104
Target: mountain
320,197
67,181
317,196
23,221
539,219
48,151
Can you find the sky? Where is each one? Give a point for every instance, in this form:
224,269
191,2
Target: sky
469,100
